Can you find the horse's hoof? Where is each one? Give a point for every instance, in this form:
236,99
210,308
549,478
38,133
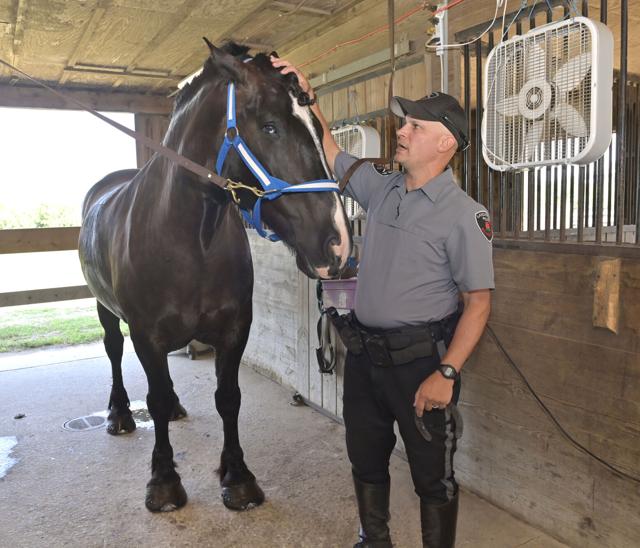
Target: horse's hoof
178,412
242,496
120,423
165,497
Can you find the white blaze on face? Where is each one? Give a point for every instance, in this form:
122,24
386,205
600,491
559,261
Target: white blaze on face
340,220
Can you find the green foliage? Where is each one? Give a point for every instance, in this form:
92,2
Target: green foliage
35,327
39,216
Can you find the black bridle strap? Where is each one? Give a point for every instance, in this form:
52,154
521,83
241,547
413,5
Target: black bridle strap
171,155
344,181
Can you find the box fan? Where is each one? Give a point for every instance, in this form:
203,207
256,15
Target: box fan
361,142
548,96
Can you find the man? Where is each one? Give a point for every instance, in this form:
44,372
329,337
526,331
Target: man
426,243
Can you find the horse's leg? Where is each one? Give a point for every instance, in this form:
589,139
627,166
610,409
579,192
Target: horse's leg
164,489
119,420
178,412
239,488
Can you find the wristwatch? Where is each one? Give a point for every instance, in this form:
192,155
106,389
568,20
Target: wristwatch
449,372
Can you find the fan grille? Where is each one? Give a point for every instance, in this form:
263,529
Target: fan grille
538,100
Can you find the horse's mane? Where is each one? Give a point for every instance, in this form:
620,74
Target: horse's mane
288,82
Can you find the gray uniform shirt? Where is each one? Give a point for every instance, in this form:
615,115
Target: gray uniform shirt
420,248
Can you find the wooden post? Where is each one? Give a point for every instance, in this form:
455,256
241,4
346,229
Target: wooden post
606,294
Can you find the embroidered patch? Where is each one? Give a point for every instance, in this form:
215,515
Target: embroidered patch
484,224
382,170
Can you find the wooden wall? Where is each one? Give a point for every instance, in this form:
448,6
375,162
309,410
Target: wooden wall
283,334
588,377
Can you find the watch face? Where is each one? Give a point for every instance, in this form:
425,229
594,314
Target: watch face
448,371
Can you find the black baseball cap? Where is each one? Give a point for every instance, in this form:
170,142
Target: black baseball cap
437,107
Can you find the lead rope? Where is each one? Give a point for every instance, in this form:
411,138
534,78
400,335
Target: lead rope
171,155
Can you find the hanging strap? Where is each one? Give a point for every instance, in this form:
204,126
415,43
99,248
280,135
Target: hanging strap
344,181
171,155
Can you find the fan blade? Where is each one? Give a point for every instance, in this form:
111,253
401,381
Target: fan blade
532,138
508,106
535,62
570,120
569,75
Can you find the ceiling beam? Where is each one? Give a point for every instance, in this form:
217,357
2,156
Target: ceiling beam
18,29
110,69
87,34
345,13
188,65
115,101
162,35
290,8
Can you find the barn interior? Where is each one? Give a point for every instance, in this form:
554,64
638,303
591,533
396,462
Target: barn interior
565,312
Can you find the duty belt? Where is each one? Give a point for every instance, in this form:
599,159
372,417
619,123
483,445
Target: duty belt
388,347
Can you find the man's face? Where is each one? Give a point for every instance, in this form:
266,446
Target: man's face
421,141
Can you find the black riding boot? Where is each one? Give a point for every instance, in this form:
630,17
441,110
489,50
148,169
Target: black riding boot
373,507
439,524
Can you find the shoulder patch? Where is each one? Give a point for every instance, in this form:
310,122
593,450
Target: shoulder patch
484,224
382,170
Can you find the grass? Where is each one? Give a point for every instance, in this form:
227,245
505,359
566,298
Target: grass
23,328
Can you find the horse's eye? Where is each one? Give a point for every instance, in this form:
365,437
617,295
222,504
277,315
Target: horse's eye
270,129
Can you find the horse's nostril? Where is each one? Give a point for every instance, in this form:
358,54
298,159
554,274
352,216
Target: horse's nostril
331,243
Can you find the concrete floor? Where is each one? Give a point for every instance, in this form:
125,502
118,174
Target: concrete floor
86,489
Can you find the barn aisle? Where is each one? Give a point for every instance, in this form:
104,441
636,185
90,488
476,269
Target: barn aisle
86,489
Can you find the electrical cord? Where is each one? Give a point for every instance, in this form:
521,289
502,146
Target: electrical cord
383,28
564,433
461,44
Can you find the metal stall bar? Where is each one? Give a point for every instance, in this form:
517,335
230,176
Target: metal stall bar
599,205
490,172
478,121
636,170
466,179
621,151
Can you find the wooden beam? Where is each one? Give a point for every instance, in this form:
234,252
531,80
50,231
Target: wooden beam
606,294
35,296
344,14
87,34
135,73
18,29
32,97
187,64
31,240
161,36
289,8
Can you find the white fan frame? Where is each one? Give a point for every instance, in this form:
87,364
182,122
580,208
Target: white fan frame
601,96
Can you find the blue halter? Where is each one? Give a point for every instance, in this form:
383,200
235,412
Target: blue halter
272,186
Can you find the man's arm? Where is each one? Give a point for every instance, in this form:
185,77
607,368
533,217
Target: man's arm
331,149
435,389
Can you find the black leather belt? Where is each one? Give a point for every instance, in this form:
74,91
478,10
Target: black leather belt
388,347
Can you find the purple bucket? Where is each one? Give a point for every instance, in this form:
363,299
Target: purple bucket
339,293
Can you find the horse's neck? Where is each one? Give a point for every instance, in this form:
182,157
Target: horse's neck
175,189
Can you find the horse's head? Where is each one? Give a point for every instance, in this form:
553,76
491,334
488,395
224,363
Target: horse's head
275,121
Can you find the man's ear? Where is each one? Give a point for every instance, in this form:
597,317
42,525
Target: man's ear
448,142
224,63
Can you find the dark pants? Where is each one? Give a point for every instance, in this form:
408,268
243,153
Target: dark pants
376,397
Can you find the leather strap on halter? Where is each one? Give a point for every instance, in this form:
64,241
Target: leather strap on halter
344,181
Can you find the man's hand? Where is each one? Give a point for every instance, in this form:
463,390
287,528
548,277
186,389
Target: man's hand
329,145
286,67
434,392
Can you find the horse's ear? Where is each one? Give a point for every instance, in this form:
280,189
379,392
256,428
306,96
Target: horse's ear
212,48
225,63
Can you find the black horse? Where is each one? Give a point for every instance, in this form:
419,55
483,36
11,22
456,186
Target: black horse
168,253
